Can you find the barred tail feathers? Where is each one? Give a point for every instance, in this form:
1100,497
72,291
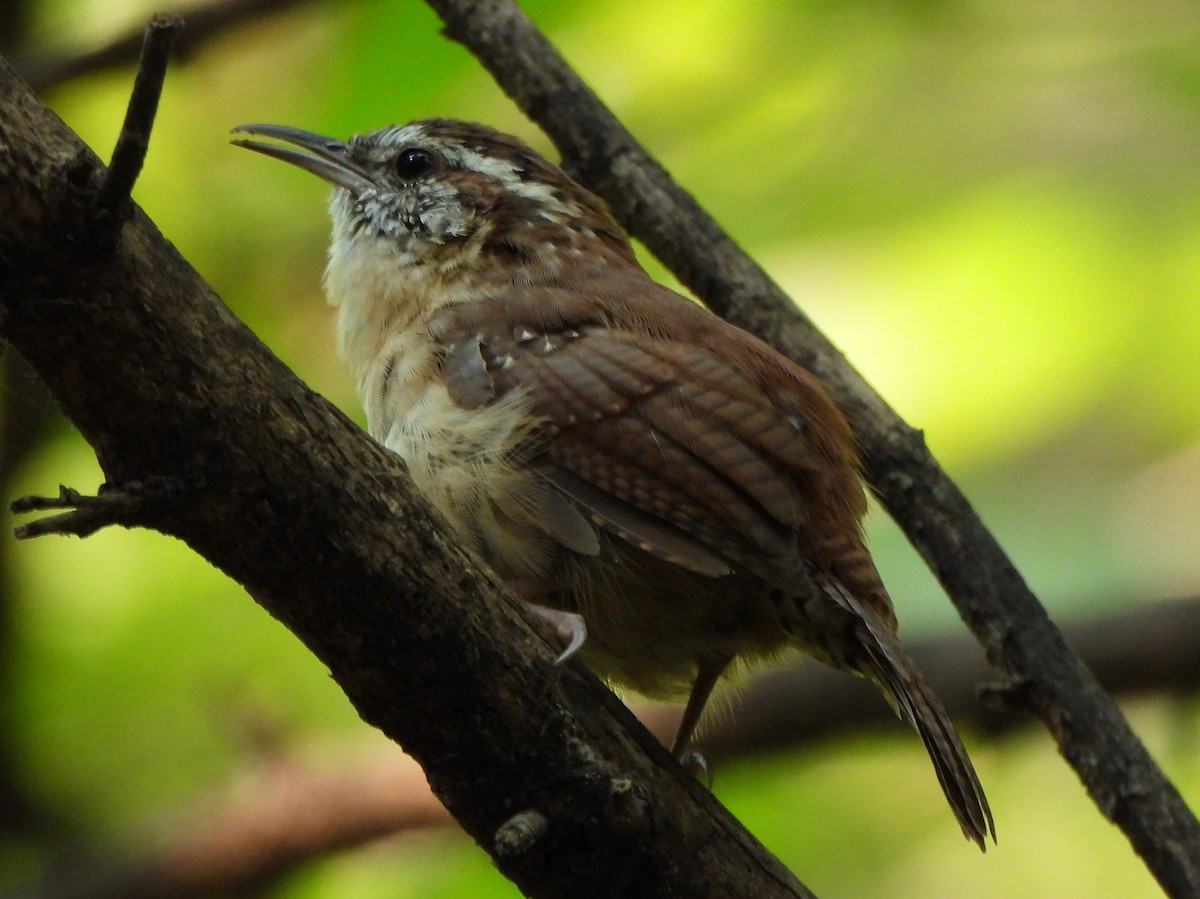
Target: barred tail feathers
893,669
881,657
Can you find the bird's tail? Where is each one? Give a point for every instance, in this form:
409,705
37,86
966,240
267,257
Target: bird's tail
895,670
881,657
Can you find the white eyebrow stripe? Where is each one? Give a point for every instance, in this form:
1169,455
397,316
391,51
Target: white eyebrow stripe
503,171
509,175
397,135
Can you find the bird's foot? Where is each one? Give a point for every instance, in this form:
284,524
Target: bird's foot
697,765
569,626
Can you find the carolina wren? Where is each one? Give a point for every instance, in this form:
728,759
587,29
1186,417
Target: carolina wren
630,461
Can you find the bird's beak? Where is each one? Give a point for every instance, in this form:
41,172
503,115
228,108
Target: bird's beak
327,157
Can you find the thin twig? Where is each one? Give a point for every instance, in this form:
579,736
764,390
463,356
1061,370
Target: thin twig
112,201
133,505
84,515
1124,781
205,21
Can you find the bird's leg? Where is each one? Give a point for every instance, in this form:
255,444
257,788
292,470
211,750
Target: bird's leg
569,626
708,672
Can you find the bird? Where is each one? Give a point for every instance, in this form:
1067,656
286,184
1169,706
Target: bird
675,497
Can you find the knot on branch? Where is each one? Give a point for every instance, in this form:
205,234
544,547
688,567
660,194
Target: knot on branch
1011,695
520,833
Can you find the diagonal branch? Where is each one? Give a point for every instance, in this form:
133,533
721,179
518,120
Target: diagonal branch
1124,781
320,524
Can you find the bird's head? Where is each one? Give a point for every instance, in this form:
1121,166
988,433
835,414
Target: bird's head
435,183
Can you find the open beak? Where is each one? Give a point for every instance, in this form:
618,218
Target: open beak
326,157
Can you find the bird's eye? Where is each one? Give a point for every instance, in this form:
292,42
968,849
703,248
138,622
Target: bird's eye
413,162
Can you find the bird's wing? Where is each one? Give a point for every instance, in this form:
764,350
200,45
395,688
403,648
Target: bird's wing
659,440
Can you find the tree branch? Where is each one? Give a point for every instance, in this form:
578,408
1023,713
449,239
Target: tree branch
205,21
320,524
1123,780
1147,649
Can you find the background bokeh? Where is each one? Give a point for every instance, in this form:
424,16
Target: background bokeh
993,208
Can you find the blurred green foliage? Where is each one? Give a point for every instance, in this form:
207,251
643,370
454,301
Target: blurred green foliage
992,207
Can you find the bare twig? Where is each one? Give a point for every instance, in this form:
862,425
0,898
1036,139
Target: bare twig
112,201
131,506
205,21
1124,781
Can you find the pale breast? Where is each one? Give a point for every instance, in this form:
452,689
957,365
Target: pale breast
466,462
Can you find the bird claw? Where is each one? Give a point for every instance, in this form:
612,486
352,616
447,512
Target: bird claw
569,626
697,765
